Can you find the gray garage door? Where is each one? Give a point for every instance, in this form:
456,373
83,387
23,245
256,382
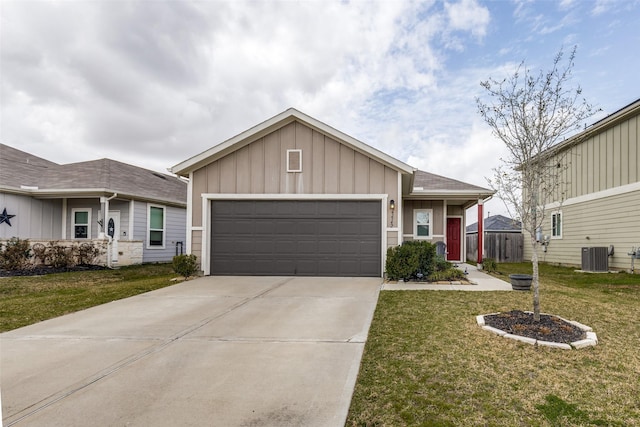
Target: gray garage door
307,238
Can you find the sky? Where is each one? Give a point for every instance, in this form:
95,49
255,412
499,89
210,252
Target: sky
152,83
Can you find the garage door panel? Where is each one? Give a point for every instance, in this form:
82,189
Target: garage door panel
293,237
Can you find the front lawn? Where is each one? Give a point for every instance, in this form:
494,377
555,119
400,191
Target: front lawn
27,300
427,362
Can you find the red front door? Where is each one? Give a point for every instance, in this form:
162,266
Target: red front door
454,228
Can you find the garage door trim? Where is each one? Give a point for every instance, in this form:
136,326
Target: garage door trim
208,197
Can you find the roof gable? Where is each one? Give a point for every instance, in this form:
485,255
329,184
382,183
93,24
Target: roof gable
276,122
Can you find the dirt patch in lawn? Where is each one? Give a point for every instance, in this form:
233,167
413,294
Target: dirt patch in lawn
549,328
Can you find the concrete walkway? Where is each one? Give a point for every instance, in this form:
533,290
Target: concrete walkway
215,351
480,282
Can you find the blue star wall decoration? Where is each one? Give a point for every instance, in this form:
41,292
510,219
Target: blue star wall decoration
5,217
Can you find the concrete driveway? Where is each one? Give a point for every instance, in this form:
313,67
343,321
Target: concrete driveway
219,351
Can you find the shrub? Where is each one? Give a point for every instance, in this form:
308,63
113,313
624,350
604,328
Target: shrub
185,265
87,253
490,265
40,252
450,274
60,256
410,260
15,254
442,264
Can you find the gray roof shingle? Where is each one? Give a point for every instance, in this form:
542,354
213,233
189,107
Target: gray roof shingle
497,223
18,168
431,181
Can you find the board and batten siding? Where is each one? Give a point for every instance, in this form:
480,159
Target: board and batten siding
34,218
599,197
606,160
328,167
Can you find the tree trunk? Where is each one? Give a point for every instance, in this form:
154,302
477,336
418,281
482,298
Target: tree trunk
535,281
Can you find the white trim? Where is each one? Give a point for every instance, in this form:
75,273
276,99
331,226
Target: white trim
247,196
73,223
132,210
399,209
616,191
289,152
164,226
551,215
189,225
207,214
65,212
196,228
430,236
444,220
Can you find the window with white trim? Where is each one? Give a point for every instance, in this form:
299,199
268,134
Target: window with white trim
81,226
156,219
422,223
556,225
294,160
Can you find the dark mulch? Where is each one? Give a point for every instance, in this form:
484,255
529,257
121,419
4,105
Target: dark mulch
549,328
41,270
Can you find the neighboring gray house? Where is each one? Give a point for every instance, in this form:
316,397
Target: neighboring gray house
294,196
503,239
140,212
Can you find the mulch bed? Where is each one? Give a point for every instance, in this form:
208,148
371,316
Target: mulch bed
41,270
549,328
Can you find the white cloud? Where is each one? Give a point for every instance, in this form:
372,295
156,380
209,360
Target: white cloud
468,15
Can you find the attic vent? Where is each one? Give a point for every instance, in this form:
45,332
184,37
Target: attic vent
159,175
294,160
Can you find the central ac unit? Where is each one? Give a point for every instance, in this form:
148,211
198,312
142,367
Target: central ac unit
595,259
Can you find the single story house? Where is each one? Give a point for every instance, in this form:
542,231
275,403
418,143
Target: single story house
503,239
593,221
294,196
141,213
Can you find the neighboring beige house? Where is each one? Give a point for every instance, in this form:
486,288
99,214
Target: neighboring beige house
293,196
141,213
599,200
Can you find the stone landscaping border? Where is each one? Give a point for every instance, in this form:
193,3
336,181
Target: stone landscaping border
590,341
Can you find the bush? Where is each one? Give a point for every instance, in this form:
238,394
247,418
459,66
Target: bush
87,253
442,264
15,254
185,265
489,265
412,259
60,256
450,274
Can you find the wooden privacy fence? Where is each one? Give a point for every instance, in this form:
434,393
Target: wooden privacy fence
503,247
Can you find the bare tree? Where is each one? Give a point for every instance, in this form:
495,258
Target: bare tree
531,113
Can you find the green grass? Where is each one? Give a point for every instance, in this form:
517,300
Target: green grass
428,363
27,300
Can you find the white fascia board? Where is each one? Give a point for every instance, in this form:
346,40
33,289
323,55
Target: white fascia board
276,196
96,192
284,118
451,194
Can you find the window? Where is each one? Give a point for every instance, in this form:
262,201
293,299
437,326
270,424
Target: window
422,224
556,225
81,223
294,160
156,219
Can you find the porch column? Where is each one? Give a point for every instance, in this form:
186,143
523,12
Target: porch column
480,232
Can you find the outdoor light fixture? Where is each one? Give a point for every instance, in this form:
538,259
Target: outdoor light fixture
392,206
